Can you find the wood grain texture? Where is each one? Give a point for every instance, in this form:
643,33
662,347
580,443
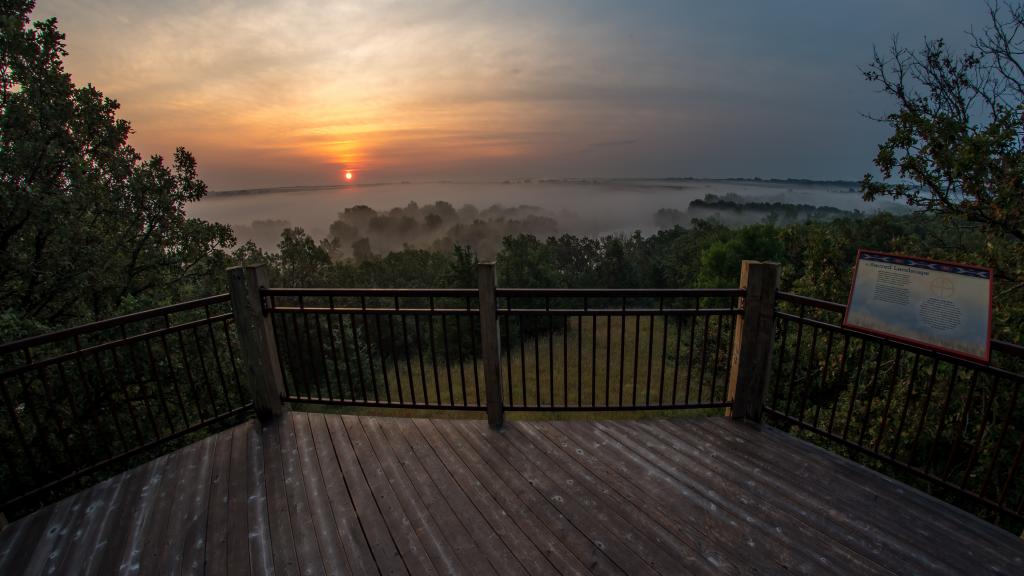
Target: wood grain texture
490,343
330,494
750,364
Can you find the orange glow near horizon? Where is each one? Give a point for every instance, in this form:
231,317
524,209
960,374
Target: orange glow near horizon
265,96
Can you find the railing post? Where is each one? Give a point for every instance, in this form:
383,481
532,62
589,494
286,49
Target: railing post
750,365
490,343
256,337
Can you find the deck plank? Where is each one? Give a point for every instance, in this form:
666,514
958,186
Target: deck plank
307,547
987,537
405,535
648,539
193,474
282,541
464,491
216,549
724,535
101,504
833,516
826,557
52,541
261,553
435,479
357,549
740,496
318,494
146,550
332,551
383,545
21,539
684,517
923,525
238,520
122,551
594,555
192,555
603,528
531,521
445,541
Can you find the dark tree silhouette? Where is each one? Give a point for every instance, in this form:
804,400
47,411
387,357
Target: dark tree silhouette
957,143
88,227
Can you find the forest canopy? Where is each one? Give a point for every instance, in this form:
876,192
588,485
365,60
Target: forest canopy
89,228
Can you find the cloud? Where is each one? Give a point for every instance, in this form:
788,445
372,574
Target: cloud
397,89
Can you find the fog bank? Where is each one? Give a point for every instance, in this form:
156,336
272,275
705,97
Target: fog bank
583,207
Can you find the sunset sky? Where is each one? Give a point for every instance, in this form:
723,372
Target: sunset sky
280,92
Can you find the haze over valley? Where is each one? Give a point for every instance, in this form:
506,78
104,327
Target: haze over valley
587,207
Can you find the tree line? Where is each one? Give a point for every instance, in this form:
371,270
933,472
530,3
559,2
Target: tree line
90,229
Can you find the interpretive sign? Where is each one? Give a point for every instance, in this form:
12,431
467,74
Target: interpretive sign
939,305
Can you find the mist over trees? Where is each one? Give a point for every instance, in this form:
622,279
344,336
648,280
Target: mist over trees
360,231
438,226
736,210
89,228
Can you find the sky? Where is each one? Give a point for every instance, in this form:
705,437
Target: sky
273,93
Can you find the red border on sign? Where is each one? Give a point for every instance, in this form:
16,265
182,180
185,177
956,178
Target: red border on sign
961,354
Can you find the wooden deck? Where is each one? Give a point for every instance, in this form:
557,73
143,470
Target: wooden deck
317,494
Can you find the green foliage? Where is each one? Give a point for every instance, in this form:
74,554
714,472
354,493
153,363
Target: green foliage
955,148
527,262
720,262
88,228
301,261
816,259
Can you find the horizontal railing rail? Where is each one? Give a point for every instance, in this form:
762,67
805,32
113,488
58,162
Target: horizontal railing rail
952,424
615,293
595,350
87,400
99,325
404,348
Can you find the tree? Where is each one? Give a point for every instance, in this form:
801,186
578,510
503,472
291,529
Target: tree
957,143
302,262
87,227
462,268
526,262
720,263
361,250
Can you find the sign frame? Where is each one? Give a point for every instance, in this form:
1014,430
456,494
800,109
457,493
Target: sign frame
913,341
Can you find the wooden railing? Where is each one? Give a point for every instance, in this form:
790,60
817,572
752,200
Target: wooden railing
80,403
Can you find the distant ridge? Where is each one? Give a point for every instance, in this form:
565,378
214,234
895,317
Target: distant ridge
276,189
527,180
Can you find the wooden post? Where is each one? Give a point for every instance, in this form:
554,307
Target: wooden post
256,337
490,343
752,340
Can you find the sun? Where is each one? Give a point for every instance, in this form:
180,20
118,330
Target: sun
348,174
